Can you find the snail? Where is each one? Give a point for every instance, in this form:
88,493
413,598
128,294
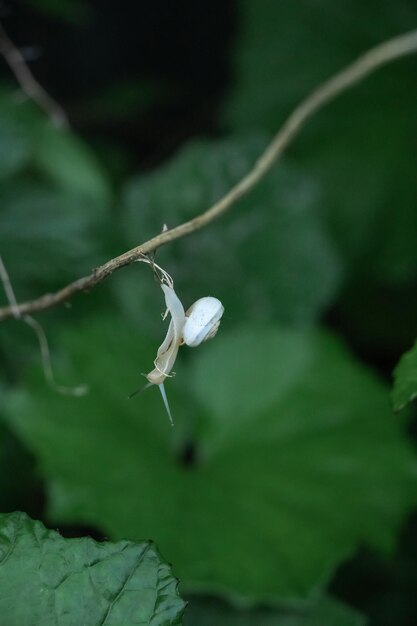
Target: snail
192,327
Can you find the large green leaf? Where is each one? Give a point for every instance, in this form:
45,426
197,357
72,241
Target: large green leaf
46,579
360,149
405,379
54,200
281,54
270,256
15,146
48,234
285,455
324,612
28,139
68,161
367,184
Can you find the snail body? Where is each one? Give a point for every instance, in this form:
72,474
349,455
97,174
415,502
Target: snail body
168,350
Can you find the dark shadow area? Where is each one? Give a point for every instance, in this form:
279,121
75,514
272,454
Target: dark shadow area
144,76
383,589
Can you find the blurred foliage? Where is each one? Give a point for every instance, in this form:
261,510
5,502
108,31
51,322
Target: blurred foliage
46,579
71,11
363,164
405,379
286,457
54,198
326,611
281,53
290,479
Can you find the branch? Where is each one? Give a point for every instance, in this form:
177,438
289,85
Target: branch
37,328
366,64
28,83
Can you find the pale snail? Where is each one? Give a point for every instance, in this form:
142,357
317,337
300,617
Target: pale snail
192,327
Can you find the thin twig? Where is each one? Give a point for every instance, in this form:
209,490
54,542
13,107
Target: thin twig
80,390
8,289
28,83
366,64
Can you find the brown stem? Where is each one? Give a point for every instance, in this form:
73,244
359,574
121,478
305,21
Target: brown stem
28,83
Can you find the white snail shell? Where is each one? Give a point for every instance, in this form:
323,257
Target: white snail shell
202,321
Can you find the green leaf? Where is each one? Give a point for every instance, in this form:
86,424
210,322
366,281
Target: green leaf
67,161
367,189
54,201
360,149
324,612
270,256
48,234
14,144
293,455
46,579
28,140
279,56
405,379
